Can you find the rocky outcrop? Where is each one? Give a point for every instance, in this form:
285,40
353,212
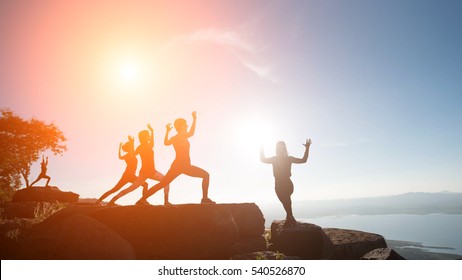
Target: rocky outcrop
12,210
309,241
44,194
76,237
352,244
382,254
304,240
189,231
30,209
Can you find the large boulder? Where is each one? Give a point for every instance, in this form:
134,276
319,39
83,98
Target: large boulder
44,194
190,231
353,244
304,240
76,237
382,254
25,209
248,219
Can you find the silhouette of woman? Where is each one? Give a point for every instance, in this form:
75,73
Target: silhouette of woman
43,172
147,171
282,164
182,162
129,174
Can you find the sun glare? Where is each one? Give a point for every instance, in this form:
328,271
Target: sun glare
250,134
129,72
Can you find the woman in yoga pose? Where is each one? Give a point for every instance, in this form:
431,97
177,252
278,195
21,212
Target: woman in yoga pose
43,172
129,175
182,162
282,164
147,171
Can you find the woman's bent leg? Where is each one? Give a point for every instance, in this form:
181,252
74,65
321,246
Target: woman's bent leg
198,172
117,187
138,182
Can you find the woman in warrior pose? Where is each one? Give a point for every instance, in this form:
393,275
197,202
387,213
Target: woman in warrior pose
43,172
182,162
282,164
148,171
129,175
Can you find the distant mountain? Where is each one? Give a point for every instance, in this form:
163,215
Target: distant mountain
408,203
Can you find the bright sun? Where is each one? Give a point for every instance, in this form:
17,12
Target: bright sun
251,134
129,72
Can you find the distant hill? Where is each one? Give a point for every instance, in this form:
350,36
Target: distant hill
419,203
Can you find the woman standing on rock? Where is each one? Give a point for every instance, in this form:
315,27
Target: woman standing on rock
182,163
148,170
282,164
43,172
129,175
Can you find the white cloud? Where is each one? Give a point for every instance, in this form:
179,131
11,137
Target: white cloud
335,144
240,46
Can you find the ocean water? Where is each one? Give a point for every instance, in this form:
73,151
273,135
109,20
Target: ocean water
434,230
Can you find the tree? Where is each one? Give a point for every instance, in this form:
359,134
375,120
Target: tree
21,143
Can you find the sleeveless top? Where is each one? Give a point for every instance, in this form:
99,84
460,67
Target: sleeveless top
147,159
181,145
132,163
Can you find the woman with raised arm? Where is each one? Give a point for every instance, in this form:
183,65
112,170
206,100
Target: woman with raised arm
148,170
129,175
43,172
182,162
282,164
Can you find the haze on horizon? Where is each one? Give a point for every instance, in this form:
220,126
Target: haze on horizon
376,86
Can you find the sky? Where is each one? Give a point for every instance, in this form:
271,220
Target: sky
376,85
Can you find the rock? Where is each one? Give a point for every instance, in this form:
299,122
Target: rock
382,254
248,219
11,231
352,244
190,231
77,237
248,245
264,255
31,209
20,209
47,194
303,240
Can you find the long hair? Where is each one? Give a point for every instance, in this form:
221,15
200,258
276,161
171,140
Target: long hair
281,149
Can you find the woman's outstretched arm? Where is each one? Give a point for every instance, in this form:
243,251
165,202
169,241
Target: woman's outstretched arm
305,156
152,135
193,125
262,156
167,141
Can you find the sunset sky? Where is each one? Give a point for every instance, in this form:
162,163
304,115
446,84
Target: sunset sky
376,85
